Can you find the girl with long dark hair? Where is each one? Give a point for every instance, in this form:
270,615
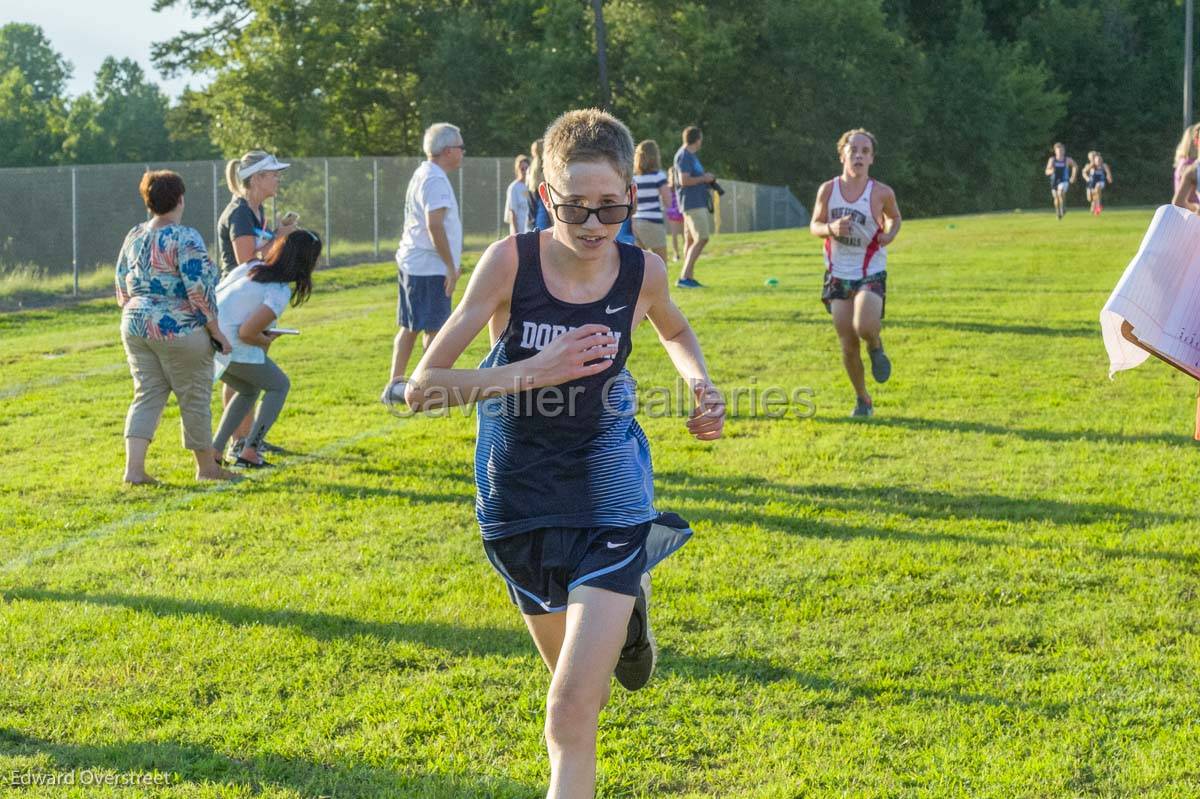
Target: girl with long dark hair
249,300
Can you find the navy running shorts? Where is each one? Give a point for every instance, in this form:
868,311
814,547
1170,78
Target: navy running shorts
543,566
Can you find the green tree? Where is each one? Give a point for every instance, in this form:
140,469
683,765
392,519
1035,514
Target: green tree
772,83
328,78
123,118
1118,64
26,48
989,113
189,129
318,78
32,79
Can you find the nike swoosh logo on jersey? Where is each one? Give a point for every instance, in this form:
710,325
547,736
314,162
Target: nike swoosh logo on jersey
611,545
608,309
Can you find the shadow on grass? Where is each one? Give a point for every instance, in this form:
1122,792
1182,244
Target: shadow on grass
1027,433
352,491
258,772
808,317
743,499
455,641
791,317
459,642
1071,331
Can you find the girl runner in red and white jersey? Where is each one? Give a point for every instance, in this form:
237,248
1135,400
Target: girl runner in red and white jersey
858,217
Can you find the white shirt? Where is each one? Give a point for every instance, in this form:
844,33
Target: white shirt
516,201
428,190
857,254
237,298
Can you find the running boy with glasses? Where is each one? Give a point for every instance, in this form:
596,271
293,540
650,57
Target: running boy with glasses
565,496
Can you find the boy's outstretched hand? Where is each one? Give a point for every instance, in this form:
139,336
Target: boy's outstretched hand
708,417
584,351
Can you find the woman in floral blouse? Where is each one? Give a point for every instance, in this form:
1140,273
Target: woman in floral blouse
166,288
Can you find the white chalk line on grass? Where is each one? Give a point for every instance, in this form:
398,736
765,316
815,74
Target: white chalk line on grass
141,517
17,389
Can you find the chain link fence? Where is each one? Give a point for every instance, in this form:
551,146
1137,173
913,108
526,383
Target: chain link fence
60,220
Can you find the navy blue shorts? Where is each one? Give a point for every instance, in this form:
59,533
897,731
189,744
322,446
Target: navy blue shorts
543,566
423,304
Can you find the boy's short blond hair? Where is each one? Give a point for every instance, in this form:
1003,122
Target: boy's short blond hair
587,134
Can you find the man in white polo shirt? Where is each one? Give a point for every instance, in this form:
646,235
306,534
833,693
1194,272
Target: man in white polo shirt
429,257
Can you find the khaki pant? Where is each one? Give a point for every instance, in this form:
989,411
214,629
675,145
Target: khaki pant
650,235
699,222
181,365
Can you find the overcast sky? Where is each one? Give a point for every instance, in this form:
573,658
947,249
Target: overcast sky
85,31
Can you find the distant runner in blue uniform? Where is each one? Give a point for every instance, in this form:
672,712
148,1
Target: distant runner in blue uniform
1062,171
1097,176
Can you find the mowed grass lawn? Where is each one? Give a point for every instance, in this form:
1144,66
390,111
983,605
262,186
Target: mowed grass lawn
991,589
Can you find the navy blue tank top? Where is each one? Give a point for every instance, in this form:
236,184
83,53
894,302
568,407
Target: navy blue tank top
570,455
1062,172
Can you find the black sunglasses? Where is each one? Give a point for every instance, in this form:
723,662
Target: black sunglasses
571,214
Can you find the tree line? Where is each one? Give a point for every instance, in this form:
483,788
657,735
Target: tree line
965,96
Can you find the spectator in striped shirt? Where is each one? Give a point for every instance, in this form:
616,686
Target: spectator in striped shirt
653,195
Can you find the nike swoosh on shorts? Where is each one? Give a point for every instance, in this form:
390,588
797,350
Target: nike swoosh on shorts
611,545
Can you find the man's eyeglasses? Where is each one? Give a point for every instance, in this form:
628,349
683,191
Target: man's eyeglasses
572,214
462,147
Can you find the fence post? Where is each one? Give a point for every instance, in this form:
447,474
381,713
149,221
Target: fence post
375,200
328,240
736,222
499,204
462,199
216,239
74,233
754,210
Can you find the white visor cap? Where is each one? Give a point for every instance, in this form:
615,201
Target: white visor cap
268,164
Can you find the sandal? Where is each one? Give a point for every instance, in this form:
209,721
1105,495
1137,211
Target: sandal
242,463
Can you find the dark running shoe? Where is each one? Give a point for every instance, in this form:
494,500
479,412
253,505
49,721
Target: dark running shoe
881,367
689,283
243,463
863,410
640,653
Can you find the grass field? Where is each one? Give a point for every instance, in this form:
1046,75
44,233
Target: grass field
25,286
989,590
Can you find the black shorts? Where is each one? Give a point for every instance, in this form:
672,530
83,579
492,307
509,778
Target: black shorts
541,567
836,288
